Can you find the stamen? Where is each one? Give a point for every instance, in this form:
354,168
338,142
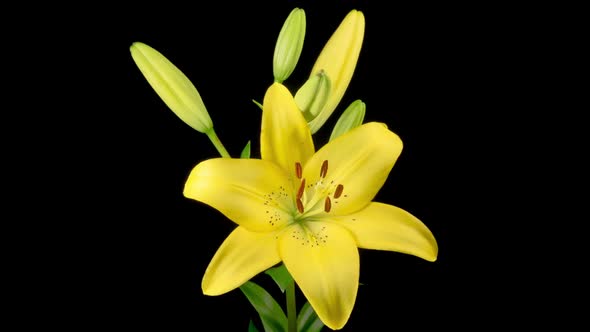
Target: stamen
324,169
298,170
339,190
299,205
301,188
327,204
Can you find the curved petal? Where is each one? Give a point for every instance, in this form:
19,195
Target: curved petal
242,255
284,138
251,192
386,227
338,59
324,261
359,160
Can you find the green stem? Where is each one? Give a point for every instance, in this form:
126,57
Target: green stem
291,307
217,143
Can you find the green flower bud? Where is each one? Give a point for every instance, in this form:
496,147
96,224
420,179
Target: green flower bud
289,45
313,95
351,118
175,89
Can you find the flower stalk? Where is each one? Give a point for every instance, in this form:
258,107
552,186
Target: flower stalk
291,307
217,143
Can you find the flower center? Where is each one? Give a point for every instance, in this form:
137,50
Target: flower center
317,197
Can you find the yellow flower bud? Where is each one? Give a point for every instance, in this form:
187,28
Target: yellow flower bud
313,95
289,45
338,60
351,118
175,89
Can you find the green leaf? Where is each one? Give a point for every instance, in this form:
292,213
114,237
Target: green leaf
246,151
272,315
308,320
257,104
252,327
281,276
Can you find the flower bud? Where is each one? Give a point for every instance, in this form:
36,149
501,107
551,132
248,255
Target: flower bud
173,87
351,118
338,60
289,45
313,95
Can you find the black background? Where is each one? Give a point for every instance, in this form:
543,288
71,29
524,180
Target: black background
110,241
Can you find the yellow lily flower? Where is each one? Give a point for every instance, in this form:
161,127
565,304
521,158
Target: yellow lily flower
338,60
310,210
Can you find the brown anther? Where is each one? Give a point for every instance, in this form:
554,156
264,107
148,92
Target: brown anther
301,188
299,206
298,170
327,204
338,191
324,169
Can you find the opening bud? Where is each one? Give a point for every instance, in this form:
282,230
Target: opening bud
338,60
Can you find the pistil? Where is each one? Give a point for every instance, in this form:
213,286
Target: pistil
308,204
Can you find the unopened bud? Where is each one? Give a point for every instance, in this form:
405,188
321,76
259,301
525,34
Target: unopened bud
351,118
313,95
173,87
289,45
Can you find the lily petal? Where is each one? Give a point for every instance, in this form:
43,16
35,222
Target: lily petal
242,255
338,59
386,227
285,138
251,192
324,261
359,160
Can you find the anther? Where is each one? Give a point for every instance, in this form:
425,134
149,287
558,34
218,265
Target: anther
298,170
339,190
327,204
301,188
324,169
299,205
